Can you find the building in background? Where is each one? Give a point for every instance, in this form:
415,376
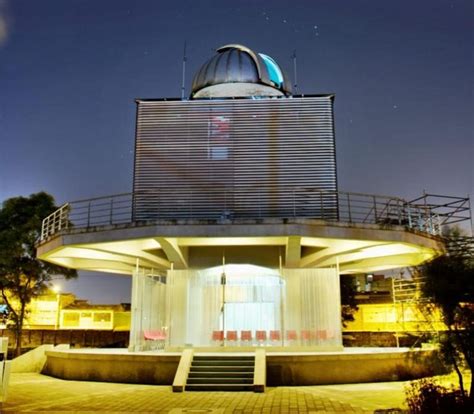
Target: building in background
82,315
64,311
236,233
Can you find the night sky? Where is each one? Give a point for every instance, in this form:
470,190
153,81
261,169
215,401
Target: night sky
70,70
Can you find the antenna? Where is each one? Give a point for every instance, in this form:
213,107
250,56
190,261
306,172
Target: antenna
295,72
184,71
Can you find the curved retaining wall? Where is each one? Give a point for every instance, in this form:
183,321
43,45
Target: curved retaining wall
351,367
136,368
282,368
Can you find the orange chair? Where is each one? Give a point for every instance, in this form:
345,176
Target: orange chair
246,336
231,336
321,335
217,336
275,336
306,336
261,336
291,335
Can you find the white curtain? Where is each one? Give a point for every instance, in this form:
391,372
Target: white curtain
252,299
191,304
149,310
201,303
312,306
177,284
205,304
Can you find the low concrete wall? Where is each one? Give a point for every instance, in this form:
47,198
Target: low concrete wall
383,338
182,372
78,338
32,361
350,367
282,368
112,367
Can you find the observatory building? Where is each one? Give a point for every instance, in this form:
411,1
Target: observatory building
236,233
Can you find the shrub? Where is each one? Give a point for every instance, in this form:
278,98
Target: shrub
425,396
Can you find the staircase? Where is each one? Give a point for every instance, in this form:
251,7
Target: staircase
221,373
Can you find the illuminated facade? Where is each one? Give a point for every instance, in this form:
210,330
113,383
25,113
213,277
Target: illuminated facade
235,233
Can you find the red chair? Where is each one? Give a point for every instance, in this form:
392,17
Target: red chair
246,336
261,336
231,336
156,338
275,336
291,335
217,336
154,335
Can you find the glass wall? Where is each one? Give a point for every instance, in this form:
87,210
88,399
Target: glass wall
222,298
149,324
312,307
236,305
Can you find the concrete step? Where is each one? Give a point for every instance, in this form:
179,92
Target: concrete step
210,380
215,368
226,362
221,374
223,358
219,387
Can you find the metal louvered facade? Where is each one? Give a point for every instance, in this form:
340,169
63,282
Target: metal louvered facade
235,158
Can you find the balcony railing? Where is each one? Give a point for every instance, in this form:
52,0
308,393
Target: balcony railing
222,205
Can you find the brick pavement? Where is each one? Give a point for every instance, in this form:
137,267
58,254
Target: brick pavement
40,393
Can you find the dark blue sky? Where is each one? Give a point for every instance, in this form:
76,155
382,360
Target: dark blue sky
402,72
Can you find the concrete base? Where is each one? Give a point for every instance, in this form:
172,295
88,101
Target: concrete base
252,349
354,365
351,365
112,365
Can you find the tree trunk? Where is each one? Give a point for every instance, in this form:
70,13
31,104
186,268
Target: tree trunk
458,371
452,351
18,335
19,330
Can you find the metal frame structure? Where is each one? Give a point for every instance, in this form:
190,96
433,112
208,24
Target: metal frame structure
450,209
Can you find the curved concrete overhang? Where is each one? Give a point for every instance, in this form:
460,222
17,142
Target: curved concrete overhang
355,248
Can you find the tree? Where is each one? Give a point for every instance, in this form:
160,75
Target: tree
450,286
22,275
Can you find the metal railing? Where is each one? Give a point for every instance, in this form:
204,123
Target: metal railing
408,290
55,222
165,203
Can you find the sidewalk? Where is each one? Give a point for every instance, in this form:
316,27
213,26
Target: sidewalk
35,392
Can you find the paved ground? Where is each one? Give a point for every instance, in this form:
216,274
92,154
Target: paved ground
35,392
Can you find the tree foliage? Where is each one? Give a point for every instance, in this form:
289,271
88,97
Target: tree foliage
348,302
427,397
450,285
22,275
